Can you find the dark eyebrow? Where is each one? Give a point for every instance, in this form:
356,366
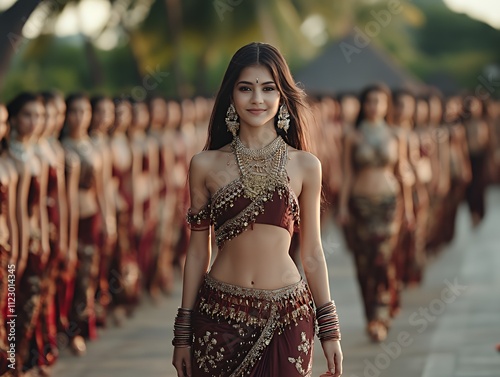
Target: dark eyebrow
250,83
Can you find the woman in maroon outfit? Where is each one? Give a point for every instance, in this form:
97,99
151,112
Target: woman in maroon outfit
124,282
251,313
162,278
9,237
410,255
46,329
478,142
145,173
375,201
26,117
103,116
460,169
91,206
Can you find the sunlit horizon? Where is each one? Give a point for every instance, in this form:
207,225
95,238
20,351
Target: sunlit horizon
484,10
90,16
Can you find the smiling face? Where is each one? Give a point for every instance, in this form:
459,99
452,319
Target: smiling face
422,113
61,113
79,115
40,125
404,108
140,116
435,110
158,112
29,119
256,97
123,116
375,106
50,118
103,115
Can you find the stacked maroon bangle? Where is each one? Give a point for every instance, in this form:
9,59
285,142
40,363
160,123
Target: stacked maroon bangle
183,331
328,322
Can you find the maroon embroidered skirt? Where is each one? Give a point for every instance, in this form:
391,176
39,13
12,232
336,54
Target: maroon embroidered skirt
253,332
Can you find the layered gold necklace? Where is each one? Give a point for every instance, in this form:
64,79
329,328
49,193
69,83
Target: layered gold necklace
262,170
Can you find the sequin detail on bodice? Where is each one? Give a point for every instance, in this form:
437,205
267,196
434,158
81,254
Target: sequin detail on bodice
260,195
232,213
84,148
374,149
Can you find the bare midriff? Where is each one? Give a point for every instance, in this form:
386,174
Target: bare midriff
142,185
375,181
257,258
87,202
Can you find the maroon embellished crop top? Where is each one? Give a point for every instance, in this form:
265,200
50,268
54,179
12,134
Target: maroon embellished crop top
232,213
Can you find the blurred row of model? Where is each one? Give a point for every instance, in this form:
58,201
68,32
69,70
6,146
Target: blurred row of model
93,196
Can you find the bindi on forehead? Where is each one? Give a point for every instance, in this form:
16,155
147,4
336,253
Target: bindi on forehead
256,74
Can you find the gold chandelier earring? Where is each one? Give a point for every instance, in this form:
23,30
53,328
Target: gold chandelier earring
232,120
283,118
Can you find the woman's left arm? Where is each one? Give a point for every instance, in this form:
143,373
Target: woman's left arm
406,188
311,250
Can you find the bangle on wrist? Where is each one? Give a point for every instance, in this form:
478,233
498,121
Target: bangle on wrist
328,322
183,331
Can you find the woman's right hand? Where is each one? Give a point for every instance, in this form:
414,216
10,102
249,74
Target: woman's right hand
182,361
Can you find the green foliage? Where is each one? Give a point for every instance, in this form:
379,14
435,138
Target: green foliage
426,37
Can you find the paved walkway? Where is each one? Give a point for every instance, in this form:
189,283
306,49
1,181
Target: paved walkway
448,327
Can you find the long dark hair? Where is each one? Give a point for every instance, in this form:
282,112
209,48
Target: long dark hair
69,101
435,93
396,95
94,102
16,105
292,96
379,87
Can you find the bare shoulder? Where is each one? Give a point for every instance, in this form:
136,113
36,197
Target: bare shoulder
201,161
209,160
306,161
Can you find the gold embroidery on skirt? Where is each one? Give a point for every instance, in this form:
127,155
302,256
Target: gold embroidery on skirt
305,346
244,309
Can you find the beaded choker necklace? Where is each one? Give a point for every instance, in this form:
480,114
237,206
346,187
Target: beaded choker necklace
20,151
262,170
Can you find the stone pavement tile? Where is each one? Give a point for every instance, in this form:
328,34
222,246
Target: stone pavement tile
139,348
440,365
480,359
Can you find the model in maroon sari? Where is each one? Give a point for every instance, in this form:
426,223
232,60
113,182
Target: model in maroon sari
245,331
